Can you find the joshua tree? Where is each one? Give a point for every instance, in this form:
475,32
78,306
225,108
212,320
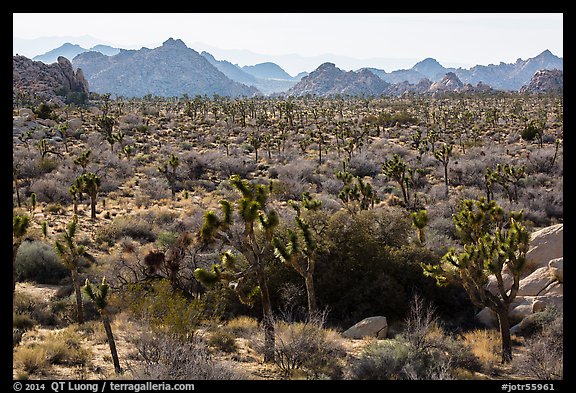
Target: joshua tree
169,172
443,155
420,220
491,241
355,193
20,225
300,252
99,295
89,183
16,186
83,160
70,254
395,168
254,243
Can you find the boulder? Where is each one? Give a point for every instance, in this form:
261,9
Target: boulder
556,267
487,318
556,288
520,308
545,244
369,327
535,283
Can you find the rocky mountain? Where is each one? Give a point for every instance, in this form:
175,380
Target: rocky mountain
430,68
510,76
267,71
545,81
328,80
257,76
43,81
70,51
170,70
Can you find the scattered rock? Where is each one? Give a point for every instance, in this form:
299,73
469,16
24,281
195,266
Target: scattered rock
369,327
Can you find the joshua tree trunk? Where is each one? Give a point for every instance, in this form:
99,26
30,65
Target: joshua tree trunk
268,321
309,281
504,323
93,207
111,342
15,248
79,305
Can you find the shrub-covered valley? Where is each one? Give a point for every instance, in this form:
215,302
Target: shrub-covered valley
239,238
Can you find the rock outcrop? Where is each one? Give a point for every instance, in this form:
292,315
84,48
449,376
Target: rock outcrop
369,327
545,81
42,82
328,81
541,283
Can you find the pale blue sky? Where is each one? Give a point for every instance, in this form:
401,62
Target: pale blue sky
453,39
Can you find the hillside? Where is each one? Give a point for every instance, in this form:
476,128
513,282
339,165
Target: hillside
169,70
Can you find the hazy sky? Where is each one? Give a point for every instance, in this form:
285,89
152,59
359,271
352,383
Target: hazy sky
453,39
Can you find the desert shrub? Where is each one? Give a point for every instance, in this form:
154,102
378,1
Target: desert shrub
167,357
32,359
545,351
22,322
164,308
223,340
66,348
307,346
50,190
364,164
37,261
369,256
55,208
230,165
241,326
155,188
125,226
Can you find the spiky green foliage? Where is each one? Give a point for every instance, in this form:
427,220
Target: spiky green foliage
420,220
355,193
88,183
97,293
20,224
207,277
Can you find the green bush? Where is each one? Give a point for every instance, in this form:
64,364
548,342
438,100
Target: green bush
164,308
22,322
223,341
37,261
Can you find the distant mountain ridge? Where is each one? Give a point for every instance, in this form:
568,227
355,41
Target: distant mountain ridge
131,73
170,70
70,51
268,77
510,77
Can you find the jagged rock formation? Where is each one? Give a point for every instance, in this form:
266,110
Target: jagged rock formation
41,81
170,70
449,83
328,80
541,283
510,77
545,81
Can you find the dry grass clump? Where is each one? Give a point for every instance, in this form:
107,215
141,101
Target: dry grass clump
486,346
32,359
